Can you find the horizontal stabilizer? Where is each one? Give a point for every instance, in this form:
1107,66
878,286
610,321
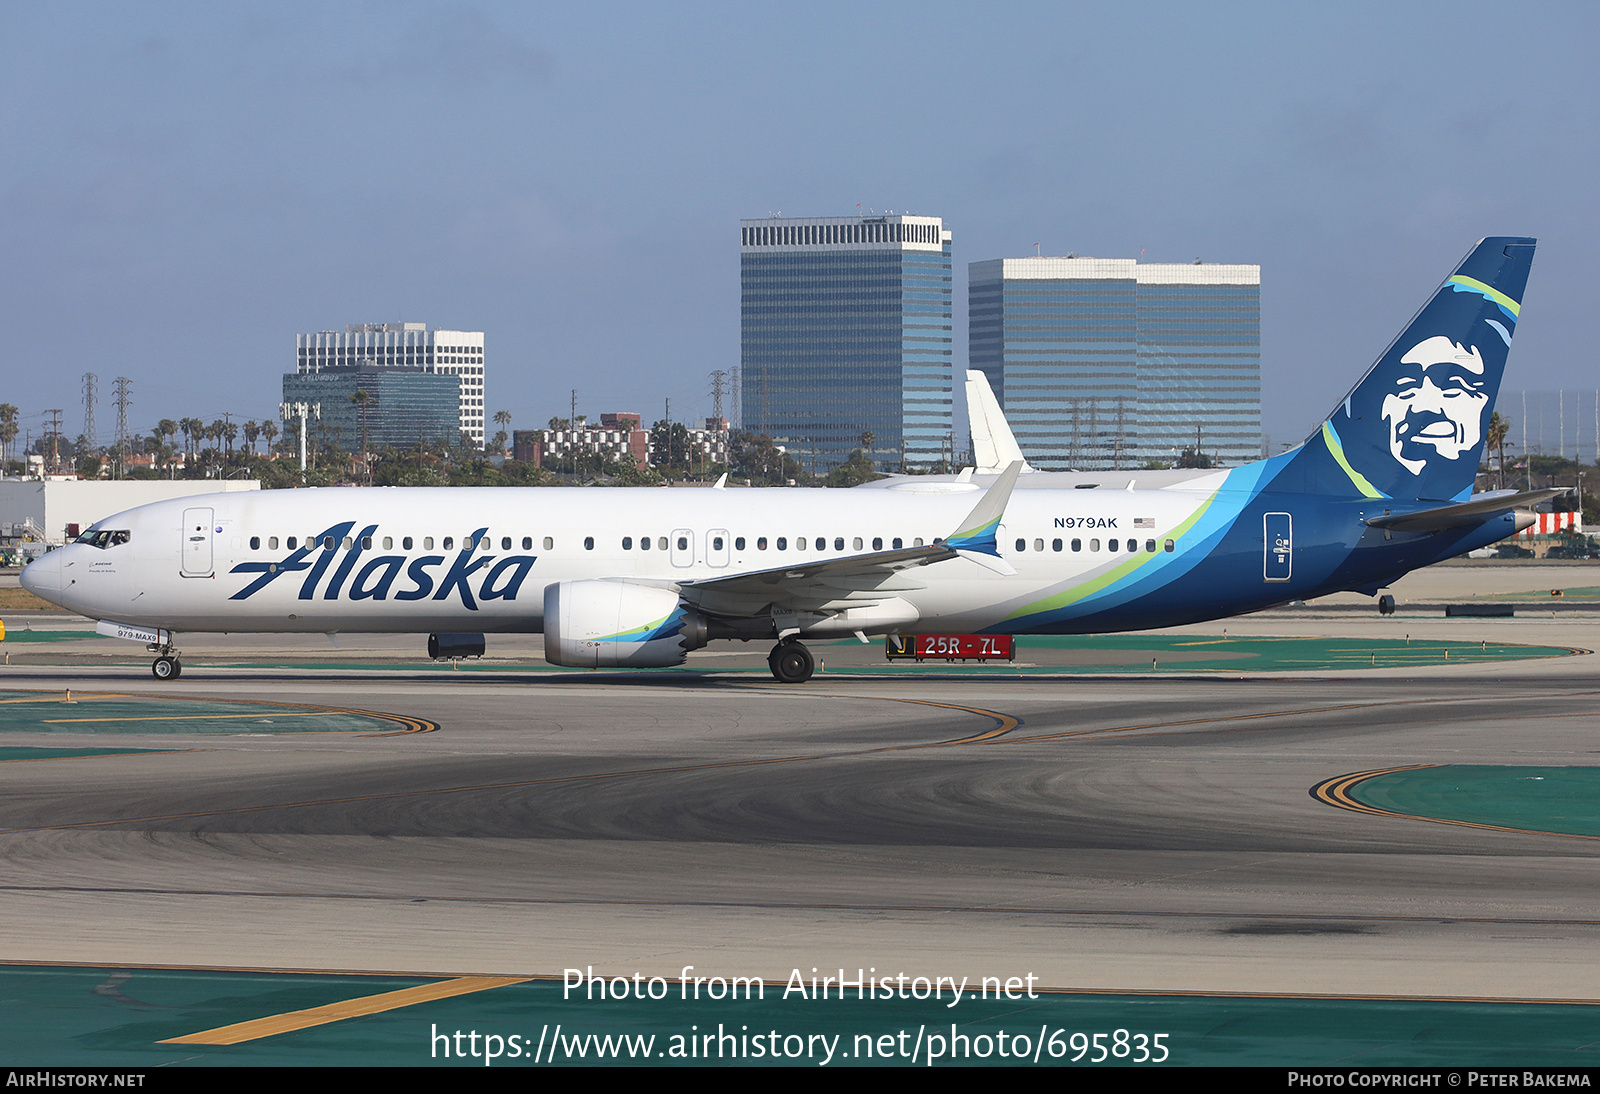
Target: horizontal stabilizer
1467,513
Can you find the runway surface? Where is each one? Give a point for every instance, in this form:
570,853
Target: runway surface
1113,833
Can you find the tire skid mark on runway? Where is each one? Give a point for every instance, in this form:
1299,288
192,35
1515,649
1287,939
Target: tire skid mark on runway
765,905
1384,704
1004,723
1336,792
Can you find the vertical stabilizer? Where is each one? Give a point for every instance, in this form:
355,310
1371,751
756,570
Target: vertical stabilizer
994,448
1414,427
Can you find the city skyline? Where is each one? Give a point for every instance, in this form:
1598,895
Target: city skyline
572,183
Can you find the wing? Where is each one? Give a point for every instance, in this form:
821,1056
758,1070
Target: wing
854,580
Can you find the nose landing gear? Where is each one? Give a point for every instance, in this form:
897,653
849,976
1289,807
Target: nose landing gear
790,663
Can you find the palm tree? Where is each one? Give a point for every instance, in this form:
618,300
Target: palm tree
502,418
269,430
8,429
1499,428
363,399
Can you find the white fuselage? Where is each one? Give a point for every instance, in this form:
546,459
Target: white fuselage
399,560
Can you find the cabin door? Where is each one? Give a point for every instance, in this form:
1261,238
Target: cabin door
197,542
1278,546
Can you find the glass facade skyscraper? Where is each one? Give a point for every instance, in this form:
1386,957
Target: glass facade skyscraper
406,405
412,345
846,329
1111,363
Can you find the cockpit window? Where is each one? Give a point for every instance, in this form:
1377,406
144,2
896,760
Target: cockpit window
103,537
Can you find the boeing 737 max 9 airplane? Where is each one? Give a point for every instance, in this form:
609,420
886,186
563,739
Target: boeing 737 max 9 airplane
639,577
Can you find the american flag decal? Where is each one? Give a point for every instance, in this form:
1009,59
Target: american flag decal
1144,522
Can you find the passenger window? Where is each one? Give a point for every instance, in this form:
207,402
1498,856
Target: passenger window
627,543
291,543
1022,545
716,543
1150,546
549,543
738,543
388,543
1055,545
272,543
683,543
327,543
838,543
1077,545
1170,546
761,543
427,543
348,543
1111,545
405,544
799,543
917,542
1038,545
661,542
644,543
449,541
877,543
505,543
588,543
783,544
255,543
527,543
897,542
366,543
1094,545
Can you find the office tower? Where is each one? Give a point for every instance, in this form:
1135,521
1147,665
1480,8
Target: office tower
1111,363
390,345
405,405
846,330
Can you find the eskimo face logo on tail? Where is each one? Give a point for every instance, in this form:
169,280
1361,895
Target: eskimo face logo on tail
357,577
1438,403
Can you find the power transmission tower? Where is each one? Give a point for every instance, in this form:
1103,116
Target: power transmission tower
736,407
91,394
1117,445
123,440
718,381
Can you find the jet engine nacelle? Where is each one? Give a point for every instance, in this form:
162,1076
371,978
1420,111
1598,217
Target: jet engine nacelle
615,624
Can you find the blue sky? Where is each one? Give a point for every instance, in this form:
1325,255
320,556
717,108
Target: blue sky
187,186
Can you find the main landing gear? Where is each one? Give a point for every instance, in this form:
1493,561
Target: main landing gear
790,662
166,665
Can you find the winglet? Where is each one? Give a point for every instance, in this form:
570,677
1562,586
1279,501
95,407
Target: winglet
979,532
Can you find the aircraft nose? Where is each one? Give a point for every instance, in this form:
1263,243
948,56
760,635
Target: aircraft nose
42,577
